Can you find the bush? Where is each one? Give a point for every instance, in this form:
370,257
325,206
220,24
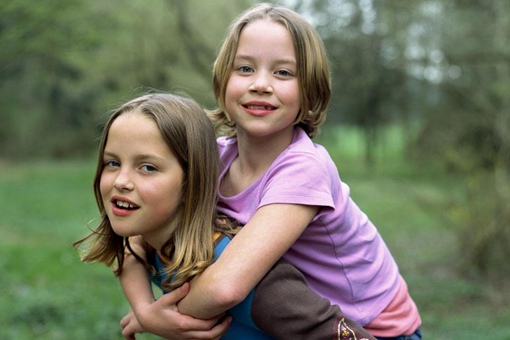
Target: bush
485,231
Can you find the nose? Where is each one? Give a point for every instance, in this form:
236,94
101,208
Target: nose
123,181
261,83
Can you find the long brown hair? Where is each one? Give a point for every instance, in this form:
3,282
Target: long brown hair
190,136
312,67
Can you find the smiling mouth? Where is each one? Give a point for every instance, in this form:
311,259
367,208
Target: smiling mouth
125,205
259,107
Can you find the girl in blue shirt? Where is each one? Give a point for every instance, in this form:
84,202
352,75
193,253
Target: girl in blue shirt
155,186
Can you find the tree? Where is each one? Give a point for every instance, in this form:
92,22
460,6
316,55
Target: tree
63,65
44,48
468,124
366,43
481,140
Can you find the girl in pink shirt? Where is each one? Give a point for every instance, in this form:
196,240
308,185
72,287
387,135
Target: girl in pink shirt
272,84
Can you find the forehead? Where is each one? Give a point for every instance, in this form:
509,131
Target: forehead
262,36
264,27
135,128
133,119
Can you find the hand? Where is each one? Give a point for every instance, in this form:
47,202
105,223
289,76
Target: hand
162,318
130,326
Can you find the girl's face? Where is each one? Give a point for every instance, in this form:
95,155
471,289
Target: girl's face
262,94
141,181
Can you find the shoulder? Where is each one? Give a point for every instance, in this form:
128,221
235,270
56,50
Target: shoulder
304,155
225,142
303,144
226,146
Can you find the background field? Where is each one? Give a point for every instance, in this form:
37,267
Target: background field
47,293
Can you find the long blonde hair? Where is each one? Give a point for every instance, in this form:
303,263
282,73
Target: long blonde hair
312,67
190,136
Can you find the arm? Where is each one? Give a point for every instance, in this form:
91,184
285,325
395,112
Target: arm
248,257
160,317
134,280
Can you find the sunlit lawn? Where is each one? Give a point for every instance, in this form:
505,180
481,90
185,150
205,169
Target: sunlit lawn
46,293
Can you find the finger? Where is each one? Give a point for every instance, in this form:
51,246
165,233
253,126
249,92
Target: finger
214,333
185,288
130,330
220,329
176,295
190,323
127,334
124,321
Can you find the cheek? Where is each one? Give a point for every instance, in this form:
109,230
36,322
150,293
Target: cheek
235,87
161,192
164,200
291,93
105,185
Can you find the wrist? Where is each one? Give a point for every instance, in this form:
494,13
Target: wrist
142,312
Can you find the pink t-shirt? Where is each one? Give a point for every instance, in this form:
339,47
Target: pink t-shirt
341,253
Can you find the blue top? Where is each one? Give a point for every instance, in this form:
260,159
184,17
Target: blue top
242,326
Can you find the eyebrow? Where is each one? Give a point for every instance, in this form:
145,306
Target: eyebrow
141,157
278,61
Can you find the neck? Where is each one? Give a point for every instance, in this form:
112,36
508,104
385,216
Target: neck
158,238
257,154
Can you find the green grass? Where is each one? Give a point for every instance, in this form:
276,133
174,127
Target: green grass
47,293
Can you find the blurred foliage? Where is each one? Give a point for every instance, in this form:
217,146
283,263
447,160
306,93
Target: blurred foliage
438,69
64,64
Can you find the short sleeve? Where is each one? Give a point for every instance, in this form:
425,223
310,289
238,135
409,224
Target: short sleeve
298,178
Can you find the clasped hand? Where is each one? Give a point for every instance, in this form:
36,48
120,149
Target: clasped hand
163,319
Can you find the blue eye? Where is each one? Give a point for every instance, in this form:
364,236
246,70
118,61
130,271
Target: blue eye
245,69
284,73
111,163
149,168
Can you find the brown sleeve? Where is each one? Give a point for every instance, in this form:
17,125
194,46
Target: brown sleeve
285,308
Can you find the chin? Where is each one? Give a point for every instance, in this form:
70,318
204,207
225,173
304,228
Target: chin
122,232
